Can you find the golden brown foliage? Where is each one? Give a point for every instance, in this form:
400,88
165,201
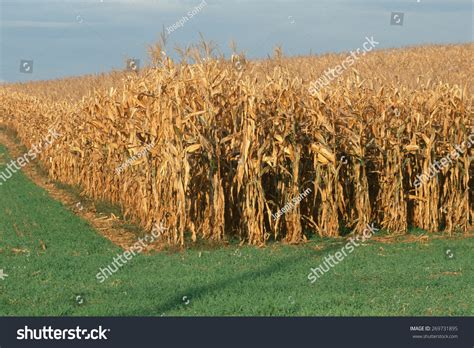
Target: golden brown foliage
230,147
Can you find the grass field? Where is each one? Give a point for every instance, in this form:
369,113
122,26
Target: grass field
51,257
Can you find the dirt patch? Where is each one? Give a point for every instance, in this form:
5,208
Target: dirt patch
422,239
439,275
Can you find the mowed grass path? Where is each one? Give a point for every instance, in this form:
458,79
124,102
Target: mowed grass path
376,279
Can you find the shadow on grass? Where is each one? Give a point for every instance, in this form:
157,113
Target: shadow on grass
199,292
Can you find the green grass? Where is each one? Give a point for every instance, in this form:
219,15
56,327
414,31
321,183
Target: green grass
376,279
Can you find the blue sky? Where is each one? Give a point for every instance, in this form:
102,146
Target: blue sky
70,37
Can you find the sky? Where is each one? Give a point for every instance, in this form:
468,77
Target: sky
74,37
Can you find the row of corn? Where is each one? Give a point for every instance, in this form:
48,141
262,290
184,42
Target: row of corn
227,148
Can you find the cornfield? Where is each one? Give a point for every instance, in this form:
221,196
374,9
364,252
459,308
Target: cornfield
230,147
